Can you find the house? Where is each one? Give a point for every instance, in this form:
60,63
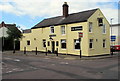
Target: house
4,28
7,43
115,28
62,33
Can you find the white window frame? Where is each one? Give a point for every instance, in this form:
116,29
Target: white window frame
104,29
91,42
104,43
44,43
63,30
52,30
63,41
75,42
90,27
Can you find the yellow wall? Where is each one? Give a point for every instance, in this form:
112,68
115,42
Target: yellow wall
43,33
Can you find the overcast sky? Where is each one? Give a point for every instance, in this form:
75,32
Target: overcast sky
27,13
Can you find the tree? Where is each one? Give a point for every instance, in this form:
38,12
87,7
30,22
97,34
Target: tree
13,33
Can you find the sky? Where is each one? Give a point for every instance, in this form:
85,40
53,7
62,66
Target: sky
28,13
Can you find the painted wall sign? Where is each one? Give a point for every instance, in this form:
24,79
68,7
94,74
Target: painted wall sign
52,35
76,28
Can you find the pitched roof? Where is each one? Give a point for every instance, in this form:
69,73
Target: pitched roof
72,18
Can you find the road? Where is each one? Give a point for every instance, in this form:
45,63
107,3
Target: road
35,67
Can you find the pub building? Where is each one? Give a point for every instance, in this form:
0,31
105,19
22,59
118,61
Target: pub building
87,31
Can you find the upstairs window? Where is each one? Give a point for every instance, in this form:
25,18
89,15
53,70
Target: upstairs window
44,43
28,42
52,29
63,30
48,43
90,27
63,43
104,29
100,21
57,43
77,43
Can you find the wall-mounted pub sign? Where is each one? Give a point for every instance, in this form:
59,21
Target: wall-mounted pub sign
76,28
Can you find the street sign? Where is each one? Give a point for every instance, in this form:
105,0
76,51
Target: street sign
113,38
80,34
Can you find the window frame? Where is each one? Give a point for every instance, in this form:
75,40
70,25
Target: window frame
63,32
28,42
104,29
100,22
104,43
44,43
90,27
62,47
76,43
91,43
52,29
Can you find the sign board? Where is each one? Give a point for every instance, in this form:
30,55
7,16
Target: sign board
113,38
52,35
80,34
76,28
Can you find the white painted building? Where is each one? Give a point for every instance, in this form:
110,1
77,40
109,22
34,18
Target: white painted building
115,32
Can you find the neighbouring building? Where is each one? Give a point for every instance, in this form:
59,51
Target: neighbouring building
4,28
7,44
115,32
61,33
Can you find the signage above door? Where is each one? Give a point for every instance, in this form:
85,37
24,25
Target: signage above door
76,28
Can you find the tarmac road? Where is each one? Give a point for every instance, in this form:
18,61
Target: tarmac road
36,67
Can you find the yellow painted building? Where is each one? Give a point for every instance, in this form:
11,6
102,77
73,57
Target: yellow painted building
62,33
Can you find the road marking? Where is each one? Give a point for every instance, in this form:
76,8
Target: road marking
64,63
16,60
9,72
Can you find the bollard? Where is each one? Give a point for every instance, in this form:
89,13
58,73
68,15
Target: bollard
13,50
36,51
80,53
57,52
46,51
24,50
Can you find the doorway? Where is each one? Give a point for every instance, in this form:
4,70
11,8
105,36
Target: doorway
53,46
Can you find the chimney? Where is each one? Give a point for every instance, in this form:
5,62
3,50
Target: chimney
65,9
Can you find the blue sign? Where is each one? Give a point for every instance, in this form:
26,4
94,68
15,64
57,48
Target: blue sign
113,38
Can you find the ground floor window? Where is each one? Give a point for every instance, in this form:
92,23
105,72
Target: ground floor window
48,43
91,43
28,42
57,43
104,43
44,43
76,43
63,43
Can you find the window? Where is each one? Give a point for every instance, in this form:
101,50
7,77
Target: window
100,21
104,29
52,29
48,43
28,42
44,43
91,43
77,43
90,27
57,43
63,30
63,43
104,43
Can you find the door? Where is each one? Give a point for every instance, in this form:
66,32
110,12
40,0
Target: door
53,46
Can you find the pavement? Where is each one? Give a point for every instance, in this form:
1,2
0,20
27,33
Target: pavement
61,56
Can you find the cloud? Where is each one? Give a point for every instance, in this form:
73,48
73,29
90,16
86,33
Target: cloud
50,8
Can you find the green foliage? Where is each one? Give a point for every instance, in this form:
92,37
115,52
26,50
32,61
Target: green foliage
14,33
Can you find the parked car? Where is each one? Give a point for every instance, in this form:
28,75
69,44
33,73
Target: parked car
115,48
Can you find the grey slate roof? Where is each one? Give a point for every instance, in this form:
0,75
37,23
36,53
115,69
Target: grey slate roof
72,18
